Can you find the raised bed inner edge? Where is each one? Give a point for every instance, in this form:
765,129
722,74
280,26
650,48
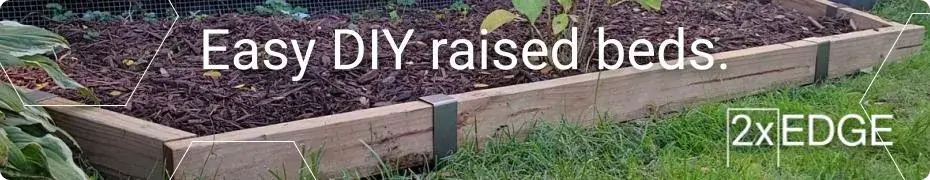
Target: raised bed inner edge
401,134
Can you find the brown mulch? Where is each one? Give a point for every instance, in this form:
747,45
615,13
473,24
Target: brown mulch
176,93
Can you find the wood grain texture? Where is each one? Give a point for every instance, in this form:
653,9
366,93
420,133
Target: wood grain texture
401,134
863,20
851,52
120,146
819,8
628,94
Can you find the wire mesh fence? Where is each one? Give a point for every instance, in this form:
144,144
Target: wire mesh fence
35,12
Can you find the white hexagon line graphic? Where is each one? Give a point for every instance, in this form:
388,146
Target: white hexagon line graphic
152,61
869,88
301,154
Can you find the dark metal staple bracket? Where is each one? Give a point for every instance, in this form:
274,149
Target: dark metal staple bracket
822,66
445,118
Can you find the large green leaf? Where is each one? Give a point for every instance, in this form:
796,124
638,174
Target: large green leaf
17,163
54,71
30,147
9,100
651,4
27,162
532,9
24,45
497,19
23,164
5,146
20,40
37,151
32,123
50,153
15,114
566,5
559,23
8,60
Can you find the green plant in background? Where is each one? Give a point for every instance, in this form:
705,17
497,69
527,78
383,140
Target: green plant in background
406,2
393,9
196,16
395,17
650,4
354,17
134,9
31,146
244,11
150,17
28,46
91,34
282,8
127,15
60,13
98,16
532,9
460,6
169,15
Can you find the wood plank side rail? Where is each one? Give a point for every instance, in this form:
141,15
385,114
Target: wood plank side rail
120,146
401,134
819,8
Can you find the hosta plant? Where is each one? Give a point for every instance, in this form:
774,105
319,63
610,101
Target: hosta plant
31,146
30,46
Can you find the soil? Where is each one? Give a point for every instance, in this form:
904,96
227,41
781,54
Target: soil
110,58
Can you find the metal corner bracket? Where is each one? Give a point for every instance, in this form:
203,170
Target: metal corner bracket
445,120
822,64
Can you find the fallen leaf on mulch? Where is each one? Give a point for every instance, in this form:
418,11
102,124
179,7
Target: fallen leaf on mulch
40,86
213,74
363,100
129,62
115,93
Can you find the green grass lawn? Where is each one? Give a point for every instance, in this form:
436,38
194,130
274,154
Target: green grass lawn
692,144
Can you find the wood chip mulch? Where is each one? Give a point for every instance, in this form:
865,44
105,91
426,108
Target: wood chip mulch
175,91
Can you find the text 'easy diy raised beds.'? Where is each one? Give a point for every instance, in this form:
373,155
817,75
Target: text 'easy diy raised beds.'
402,134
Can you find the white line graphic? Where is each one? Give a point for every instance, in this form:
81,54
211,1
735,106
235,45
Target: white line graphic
778,131
879,71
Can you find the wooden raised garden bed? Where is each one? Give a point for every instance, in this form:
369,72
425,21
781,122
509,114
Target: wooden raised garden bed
402,134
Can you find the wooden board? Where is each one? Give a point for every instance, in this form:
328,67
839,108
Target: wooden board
399,133
861,19
851,52
118,145
628,94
